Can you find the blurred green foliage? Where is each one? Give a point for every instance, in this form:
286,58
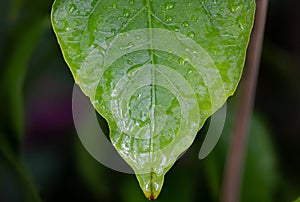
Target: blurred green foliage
41,157
298,200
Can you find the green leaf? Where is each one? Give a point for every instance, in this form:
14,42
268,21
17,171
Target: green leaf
155,70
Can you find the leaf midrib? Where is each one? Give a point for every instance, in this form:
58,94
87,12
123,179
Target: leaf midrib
151,52
152,125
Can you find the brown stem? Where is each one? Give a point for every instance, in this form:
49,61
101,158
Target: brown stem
235,160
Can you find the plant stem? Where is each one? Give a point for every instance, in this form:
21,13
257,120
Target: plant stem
235,160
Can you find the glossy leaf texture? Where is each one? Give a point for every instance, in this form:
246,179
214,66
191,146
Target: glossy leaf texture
155,70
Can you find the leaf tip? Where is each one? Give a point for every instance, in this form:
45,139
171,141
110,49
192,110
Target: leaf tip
151,197
151,184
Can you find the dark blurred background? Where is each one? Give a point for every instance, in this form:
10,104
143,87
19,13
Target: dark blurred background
41,156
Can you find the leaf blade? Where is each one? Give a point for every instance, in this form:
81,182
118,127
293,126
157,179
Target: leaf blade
155,72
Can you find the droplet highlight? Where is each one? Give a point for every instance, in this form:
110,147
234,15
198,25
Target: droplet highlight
241,23
234,8
185,23
126,13
169,18
169,5
114,5
191,34
182,61
129,45
194,18
72,8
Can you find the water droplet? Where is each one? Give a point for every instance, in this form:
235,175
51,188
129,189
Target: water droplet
234,8
126,13
131,1
181,61
175,28
129,62
169,18
169,5
241,23
113,30
194,18
137,37
185,24
189,4
68,28
129,45
191,34
72,8
114,5
95,102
